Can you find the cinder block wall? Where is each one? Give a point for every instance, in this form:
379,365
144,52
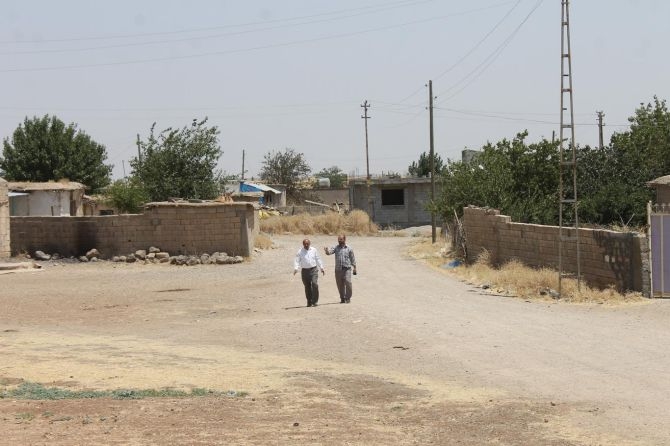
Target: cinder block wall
178,228
607,257
4,220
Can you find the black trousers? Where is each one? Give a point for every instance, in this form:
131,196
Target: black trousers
310,278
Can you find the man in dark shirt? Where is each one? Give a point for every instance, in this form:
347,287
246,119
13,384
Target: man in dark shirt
345,264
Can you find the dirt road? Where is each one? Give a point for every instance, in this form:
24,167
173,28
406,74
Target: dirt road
416,358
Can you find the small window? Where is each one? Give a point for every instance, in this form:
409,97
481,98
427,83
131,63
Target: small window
393,197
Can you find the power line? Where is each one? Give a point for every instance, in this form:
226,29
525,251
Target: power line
206,37
397,4
478,44
241,50
488,61
472,50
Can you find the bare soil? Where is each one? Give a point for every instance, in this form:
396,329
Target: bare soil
416,358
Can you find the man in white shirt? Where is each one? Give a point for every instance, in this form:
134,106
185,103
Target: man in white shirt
309,261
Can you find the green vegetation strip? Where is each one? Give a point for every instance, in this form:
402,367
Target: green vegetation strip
36,391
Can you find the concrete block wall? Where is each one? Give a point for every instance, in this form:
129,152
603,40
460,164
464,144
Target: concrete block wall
412,213
4,220
608,258
178,228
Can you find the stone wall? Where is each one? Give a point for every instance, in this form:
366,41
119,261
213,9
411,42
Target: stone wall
607,257
4,220
178,228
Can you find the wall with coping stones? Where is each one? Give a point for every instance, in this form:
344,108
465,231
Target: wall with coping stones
4,220
607,257
177,228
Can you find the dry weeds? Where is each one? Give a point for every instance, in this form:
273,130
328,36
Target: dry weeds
263,241
515,279
356,222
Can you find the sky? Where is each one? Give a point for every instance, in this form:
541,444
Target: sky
293,74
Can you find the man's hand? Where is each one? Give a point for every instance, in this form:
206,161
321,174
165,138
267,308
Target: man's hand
325,249
295,271
354,270
323,271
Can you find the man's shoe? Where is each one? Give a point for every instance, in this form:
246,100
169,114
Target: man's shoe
342,301
309,304
315,304
347,301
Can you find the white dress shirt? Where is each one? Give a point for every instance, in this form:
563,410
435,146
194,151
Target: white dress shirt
307,258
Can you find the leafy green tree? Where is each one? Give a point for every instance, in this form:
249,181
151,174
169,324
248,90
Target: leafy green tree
45,149
179,163
127,195
286,167
334,174
422,167
519,179
612,181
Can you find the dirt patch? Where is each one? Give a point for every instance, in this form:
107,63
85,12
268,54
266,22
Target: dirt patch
416,358
314,408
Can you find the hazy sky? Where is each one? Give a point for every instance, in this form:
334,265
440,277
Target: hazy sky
273,74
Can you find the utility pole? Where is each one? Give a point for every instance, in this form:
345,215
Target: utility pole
568,215
600,129
432,160
242,164
365,117
139,152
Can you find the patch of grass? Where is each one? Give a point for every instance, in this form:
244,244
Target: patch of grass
37,391
24,416
515,279
355,222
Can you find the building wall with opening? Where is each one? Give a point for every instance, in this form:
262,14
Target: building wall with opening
608,258
399,202
178,228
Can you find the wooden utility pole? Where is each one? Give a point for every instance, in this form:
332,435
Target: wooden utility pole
139,151
365,117
242,177
601,144
432,161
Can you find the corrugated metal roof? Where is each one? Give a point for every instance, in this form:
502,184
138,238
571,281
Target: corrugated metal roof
259,187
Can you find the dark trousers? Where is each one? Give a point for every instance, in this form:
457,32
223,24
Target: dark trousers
343,282
310,278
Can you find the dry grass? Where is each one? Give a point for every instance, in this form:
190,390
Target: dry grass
515,279
356,222
263,241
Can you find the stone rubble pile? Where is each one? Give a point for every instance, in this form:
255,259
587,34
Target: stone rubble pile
153,255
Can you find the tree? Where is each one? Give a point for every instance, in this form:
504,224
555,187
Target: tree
286,167
179,163
612,181
334,174
45,149
519,179
126,195
422,167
